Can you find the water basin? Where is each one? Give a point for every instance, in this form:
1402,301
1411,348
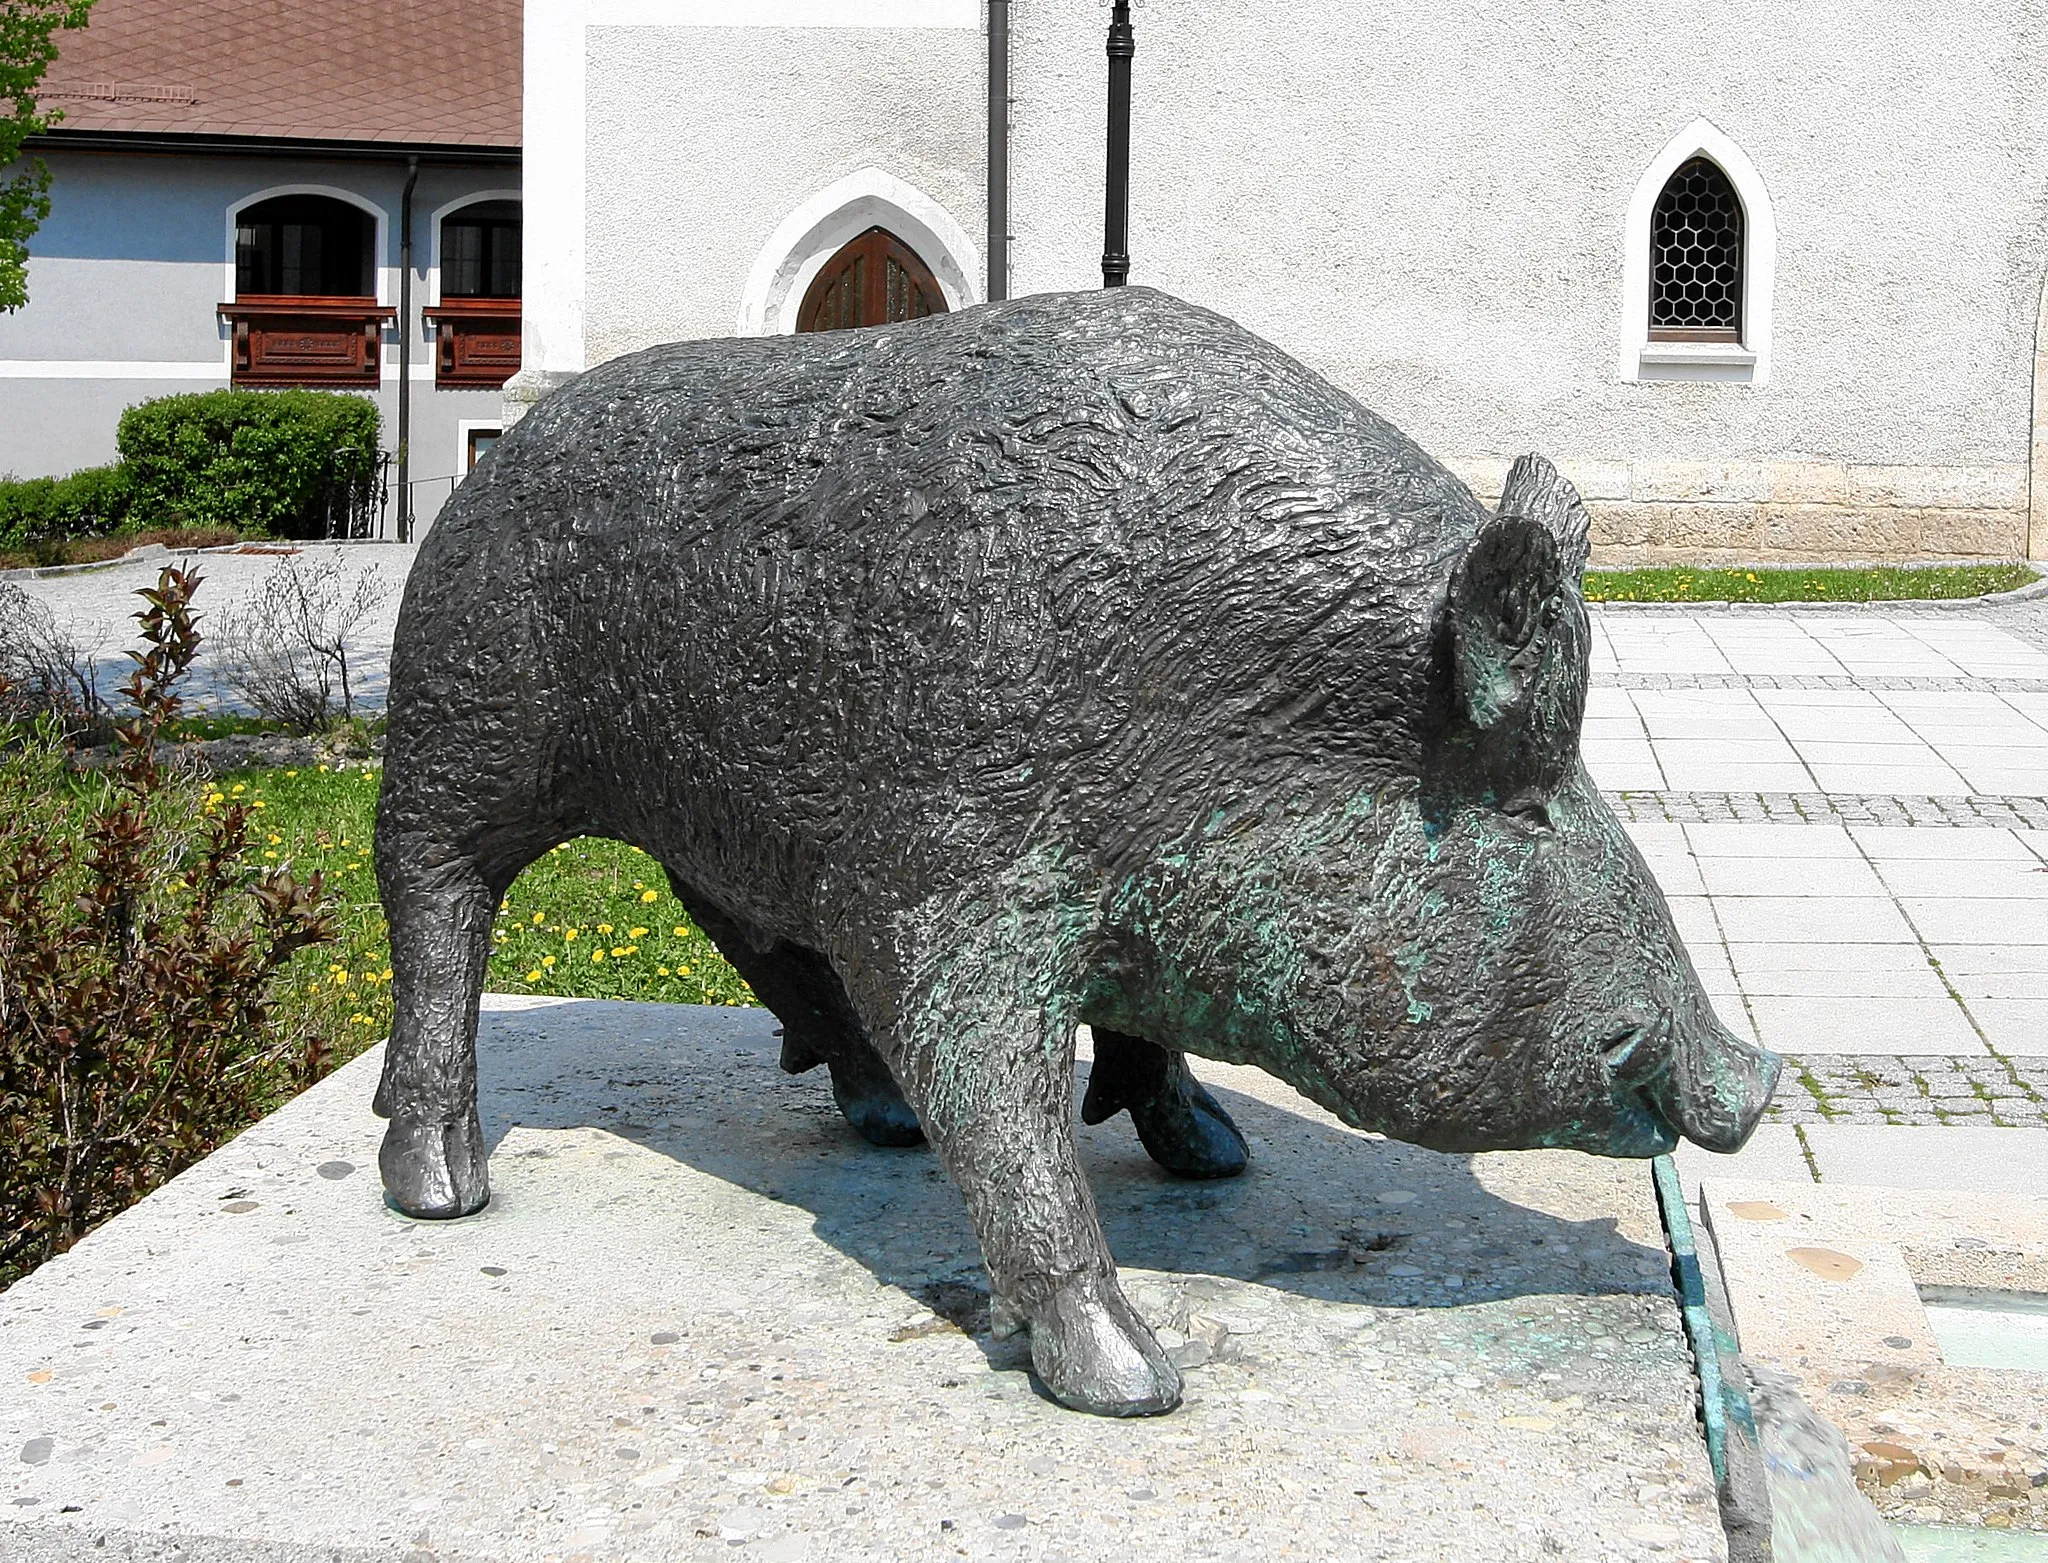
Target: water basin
1982,1327
1971,1544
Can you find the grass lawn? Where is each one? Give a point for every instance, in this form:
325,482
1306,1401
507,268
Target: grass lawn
591,919
1877,583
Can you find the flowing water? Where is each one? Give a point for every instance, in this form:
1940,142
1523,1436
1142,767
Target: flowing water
1817,1515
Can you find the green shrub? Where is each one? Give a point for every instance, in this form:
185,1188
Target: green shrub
91,503
251,460
143,943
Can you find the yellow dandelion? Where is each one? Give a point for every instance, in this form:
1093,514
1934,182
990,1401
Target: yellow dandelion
387,974
341,979
534,975
596,956
604,927
682,971
649,895
681,931
240,787
639,884
323,767
268,853
291,773
662,970
618,950
539,918
636,933
275,839
547,960
259,803
571,933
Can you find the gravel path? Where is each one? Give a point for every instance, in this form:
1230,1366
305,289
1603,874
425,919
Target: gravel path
95,607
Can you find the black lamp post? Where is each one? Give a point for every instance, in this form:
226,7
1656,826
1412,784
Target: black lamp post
1116,206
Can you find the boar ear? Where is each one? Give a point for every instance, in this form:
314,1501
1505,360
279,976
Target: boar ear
1537,491
1518,643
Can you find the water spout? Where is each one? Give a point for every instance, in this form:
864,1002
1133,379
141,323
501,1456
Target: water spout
1817,1515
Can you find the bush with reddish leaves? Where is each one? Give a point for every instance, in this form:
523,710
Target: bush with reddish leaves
141,943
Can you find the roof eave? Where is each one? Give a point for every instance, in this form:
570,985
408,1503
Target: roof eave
179,141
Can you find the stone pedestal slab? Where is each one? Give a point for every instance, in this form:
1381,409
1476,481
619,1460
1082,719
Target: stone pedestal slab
701,1319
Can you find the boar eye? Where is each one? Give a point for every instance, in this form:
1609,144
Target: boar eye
1527,809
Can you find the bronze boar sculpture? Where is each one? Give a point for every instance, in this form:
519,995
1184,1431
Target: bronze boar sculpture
1078,659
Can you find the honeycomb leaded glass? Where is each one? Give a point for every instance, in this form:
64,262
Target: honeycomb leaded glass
1696,257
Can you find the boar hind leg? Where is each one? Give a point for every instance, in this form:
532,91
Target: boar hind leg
440,906
1181,1126
993,1081
819,1025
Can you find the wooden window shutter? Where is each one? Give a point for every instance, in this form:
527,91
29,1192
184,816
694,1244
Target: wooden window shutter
873,280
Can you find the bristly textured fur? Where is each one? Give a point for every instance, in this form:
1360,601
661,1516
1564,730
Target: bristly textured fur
1077,659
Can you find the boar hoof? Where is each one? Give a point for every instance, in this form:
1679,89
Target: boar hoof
1191,1136
1181,1126
435,1171
870,1100
1093,1353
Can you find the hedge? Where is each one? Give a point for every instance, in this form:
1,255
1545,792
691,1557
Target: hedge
250,460
91,503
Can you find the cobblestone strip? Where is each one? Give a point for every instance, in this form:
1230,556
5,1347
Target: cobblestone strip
1828,808
1913,1090
1993,686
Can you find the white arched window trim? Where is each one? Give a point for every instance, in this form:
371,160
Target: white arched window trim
439,215
1750,362
379,253
809,236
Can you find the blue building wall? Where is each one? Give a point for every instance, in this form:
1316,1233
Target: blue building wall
126,276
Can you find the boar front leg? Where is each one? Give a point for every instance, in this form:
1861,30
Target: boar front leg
991,1072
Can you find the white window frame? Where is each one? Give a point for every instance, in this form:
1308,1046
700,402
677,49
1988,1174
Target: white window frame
463,429
812,234
441,214
381,270
1747,362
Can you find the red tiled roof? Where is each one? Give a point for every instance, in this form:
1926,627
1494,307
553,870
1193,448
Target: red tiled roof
428,72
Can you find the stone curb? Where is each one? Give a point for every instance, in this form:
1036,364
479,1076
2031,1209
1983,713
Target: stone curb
150,553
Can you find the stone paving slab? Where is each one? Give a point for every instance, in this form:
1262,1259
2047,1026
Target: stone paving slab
1913,1091
700,1319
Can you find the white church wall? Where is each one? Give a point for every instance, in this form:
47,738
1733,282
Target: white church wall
708,143
1431,207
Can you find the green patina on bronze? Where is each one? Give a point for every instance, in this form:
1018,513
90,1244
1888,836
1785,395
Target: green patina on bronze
1081,658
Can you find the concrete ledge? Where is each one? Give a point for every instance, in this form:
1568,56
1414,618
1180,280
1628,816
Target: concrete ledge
1824,1279
701,1319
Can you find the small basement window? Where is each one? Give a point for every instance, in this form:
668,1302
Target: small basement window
305,246
1696,257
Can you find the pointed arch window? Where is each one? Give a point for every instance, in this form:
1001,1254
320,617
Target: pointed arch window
873,280
1696,257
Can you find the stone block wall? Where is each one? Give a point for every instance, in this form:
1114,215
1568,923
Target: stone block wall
1764,512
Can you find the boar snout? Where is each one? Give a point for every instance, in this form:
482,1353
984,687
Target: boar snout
1705,1083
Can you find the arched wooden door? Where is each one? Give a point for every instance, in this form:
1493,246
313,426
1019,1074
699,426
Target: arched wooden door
873,280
